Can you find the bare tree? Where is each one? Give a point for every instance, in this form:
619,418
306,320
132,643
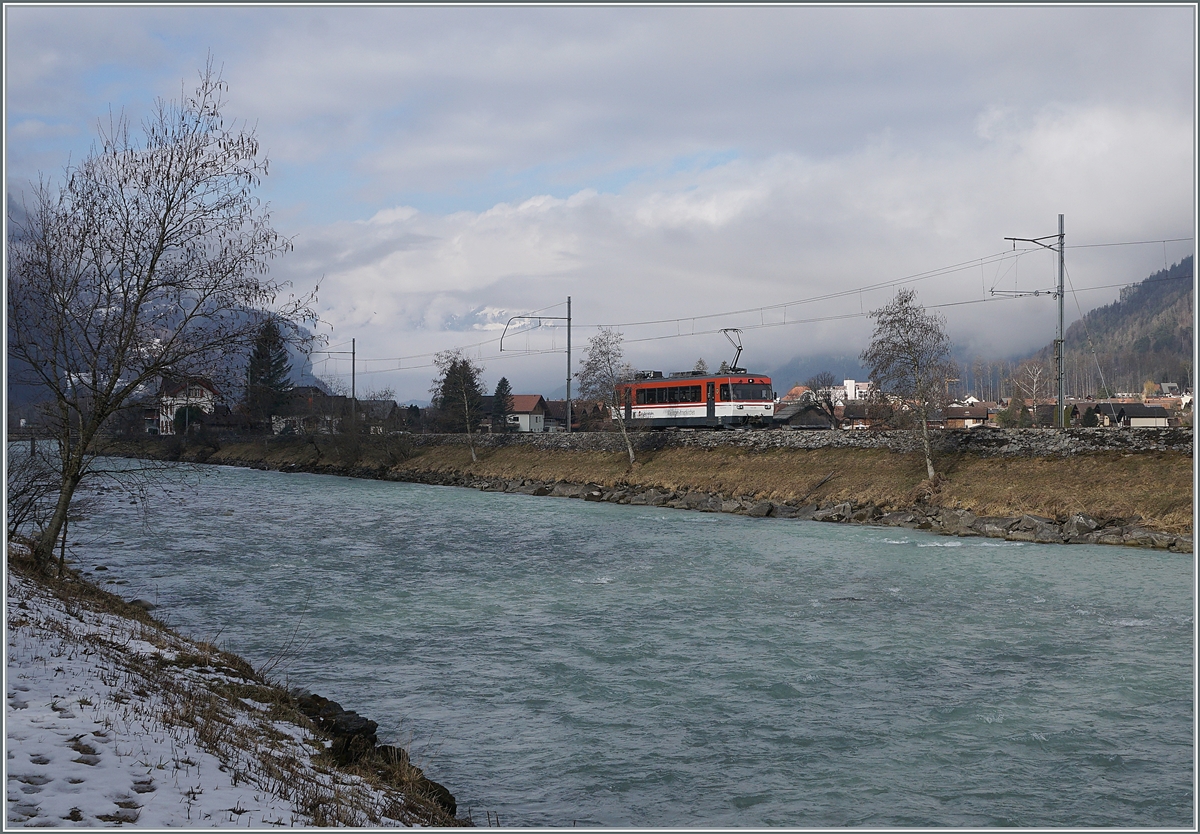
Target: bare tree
31,481
909,357
1028,380
603,375
819,397
385,393
150,260
335,386
458,392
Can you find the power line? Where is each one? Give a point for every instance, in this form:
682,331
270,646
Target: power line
995,258
919,276
1129,243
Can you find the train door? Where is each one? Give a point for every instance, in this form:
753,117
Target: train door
711,399
628,403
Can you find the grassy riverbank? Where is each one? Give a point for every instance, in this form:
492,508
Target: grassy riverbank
1152,488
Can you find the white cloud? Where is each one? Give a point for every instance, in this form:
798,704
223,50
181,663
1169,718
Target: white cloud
443,166
785,228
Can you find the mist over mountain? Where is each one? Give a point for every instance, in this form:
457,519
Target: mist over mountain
1145,335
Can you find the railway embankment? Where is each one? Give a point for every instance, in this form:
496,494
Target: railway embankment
1104,486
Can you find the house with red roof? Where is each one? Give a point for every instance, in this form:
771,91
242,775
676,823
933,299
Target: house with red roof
528,413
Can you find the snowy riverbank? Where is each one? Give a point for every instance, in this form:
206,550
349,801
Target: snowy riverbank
113,719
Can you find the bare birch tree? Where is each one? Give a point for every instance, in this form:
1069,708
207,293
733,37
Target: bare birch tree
149,260
602,375
909,357
1028,379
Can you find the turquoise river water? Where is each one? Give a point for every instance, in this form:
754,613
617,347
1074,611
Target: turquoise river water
563,663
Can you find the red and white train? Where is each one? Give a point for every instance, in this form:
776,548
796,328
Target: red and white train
697,399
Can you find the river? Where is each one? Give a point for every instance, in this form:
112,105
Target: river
558,662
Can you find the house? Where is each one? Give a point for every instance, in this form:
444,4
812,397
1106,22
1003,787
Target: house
556,415
800,414
965,416
794,394
380,416
181,396
1132,415
860,415
528,413
311,411
590,415
852,390
1138,416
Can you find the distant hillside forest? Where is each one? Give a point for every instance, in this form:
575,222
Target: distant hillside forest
1145,335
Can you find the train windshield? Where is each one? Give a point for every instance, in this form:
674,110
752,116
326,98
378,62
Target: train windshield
751,392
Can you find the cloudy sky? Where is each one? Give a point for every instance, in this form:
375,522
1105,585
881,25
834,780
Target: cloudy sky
772,169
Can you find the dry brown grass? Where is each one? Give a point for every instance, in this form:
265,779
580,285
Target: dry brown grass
1156,487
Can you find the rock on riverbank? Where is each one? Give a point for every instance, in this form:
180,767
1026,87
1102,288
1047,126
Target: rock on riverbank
1077,528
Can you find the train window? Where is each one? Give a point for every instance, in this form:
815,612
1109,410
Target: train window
725,391
751,392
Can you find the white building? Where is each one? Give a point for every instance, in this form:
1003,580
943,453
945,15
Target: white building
180,394
853,390
528,413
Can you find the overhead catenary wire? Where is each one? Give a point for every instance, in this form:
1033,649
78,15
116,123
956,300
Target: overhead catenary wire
663,337
1129,243
1011,256
762,309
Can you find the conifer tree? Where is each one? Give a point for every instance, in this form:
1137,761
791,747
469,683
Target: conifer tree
268,375
502,405
458,393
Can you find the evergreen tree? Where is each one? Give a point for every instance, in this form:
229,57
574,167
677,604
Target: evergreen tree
268,375
458,394
502,405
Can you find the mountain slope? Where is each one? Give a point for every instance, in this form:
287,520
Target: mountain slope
1146,334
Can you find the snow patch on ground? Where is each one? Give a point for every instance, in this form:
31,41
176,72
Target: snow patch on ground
113,722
